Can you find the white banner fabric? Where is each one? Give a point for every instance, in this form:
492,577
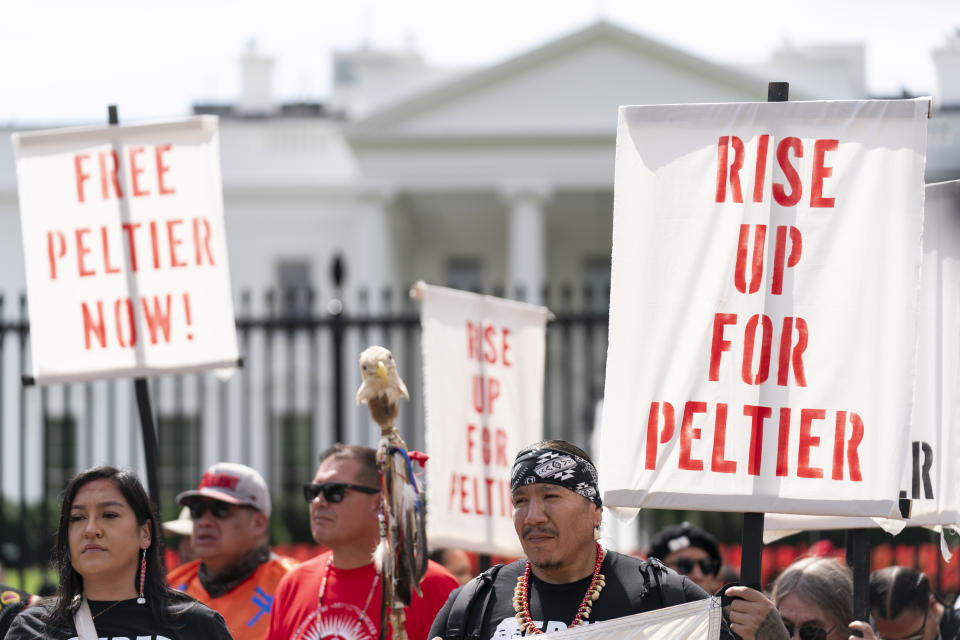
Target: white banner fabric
483,360
125,250
697,620
766,266
931,477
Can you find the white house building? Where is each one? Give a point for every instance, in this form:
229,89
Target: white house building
499,176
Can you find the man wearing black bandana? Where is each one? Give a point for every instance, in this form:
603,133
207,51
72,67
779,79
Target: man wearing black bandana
567,579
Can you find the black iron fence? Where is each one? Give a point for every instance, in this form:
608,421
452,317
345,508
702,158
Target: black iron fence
292,398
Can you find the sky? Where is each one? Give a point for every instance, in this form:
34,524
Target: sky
63,61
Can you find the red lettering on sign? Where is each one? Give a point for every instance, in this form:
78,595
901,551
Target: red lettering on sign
719,345
155,241
202,245
796,246
106,253
157,319
783,442
853,457
724,460
93,326
189,319
55,254
652,421
501,438
749,338
820,172
757,415
762,144
82,250
135,171
174,243
121,305
688,434
487,343
783,373
735,167
793,178
718,463
485,391
81,175
162,189
756,273
807,442
109,176
129,228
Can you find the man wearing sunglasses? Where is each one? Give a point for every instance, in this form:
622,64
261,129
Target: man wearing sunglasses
235,574
690,551
337,594
567,579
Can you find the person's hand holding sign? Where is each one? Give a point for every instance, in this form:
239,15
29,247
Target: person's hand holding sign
753,616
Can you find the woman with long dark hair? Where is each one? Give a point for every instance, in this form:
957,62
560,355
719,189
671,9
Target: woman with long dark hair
109,554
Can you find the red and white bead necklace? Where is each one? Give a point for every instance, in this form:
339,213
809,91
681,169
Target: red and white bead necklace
521,597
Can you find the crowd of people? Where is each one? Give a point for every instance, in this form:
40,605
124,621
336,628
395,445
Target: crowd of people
113,582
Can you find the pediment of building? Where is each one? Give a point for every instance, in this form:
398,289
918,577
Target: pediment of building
568,88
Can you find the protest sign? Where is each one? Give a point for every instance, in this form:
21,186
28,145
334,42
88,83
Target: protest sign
698,620
931,477
483,360
125,250
766,264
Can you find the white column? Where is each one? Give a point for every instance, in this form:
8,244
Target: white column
369,259
526,239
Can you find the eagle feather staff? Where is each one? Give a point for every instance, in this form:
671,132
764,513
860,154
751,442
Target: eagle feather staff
401,556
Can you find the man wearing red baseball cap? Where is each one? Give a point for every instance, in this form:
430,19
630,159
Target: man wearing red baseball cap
236,573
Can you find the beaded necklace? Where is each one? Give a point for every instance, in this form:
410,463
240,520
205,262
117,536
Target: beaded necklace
521,597
323,588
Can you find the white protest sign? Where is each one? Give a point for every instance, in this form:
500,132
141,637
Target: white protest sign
696,620
483,360
766,265
125,250
931,477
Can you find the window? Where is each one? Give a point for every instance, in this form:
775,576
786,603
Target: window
464,273
295,278
178,464
596,284
59,452
294,463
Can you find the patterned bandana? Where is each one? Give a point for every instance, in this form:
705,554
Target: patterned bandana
556,467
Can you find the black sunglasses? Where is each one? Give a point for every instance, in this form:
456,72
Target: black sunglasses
219,510
708,566
333,492
808,630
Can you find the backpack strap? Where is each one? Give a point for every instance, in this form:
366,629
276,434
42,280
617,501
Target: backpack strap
464,605
652,567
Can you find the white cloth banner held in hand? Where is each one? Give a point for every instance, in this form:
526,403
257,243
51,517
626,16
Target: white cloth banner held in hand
766,266
483,360
931,477
125,250
697,620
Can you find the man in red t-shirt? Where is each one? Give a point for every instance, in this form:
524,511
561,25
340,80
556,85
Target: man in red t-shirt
337,594
236,574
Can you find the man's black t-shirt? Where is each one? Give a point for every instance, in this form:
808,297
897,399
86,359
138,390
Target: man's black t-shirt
126,620
553,606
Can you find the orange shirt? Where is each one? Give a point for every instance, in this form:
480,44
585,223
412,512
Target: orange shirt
246,608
